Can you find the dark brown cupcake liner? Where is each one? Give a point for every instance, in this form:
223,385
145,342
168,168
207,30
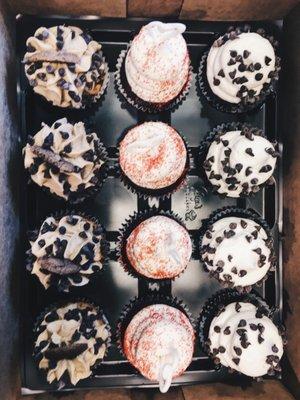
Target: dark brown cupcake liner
216,304
208,140
127,94
137,304
162,193
65,381
128,226
242,213
204,90
104,247
88,193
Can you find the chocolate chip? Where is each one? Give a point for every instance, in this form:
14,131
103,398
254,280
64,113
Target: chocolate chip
83,235
68,148
243,224
260,339
249,151
62,230
222,349
237,350
251,68
232,225
227,331
259,76
229,234
266,168
242,68
242,273
237,307
232,74
216,82
48,141
234,270
241,332
61,72
71,220
254,181
246,53
64,135
231,62
217,329
31,49
221,73
66,187
275,349
239,58
72,67
257,66
41,243
59,44
242,323
236,360
74,96
248,171
267,60
86,37
86,226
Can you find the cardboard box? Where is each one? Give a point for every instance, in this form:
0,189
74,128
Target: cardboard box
10,163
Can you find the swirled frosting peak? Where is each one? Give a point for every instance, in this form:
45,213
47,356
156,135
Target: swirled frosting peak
245,340
64,158
157,63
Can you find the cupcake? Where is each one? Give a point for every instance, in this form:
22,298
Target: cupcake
237,249
156,70
245,340
66,160
65,66
239,160
153,159
66,251
239,70
159,342
156,247
70,340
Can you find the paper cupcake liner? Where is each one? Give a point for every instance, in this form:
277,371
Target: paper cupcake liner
88,193
207,141
124,89
104,246
65,381
204,90
162,193
214,307
89,109
128,226
137,304
242,213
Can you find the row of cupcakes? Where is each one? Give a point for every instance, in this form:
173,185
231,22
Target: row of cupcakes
157,336
67,68
235,247
69,160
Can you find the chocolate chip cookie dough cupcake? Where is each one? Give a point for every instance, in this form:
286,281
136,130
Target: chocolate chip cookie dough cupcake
70,340
154,159
66,251
66,160
238,159
65,66
154,74
237,248
239,70
239,334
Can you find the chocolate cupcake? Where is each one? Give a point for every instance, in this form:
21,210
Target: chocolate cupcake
154,74
66,160
237,248
153,159
66,251
241,335
70,340
65,66
239,70
239,159
157,338
155,246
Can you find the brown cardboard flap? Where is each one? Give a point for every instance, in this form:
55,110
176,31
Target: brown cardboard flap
154,8
230,10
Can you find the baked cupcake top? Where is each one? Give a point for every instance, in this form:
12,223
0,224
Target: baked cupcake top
239,161
153,155
237,251
157,63
71,340
241,66
66,251
159,248
64,158
159,337
245,340
64,65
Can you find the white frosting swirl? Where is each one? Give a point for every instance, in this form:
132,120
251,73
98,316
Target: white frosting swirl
71,144
238,162
157,63
237,251
159,248
153,155
243,62
60,333
244,342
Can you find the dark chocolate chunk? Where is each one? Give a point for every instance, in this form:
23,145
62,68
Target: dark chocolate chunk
68,352
59,266
258,76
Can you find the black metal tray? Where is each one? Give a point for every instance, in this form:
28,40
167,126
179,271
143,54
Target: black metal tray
114,288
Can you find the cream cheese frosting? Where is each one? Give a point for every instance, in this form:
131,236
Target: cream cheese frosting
71,340
237,251
239,161
64,65
64,158
240,68
152,338
66,251
245,340
153,155
157,62
159,248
